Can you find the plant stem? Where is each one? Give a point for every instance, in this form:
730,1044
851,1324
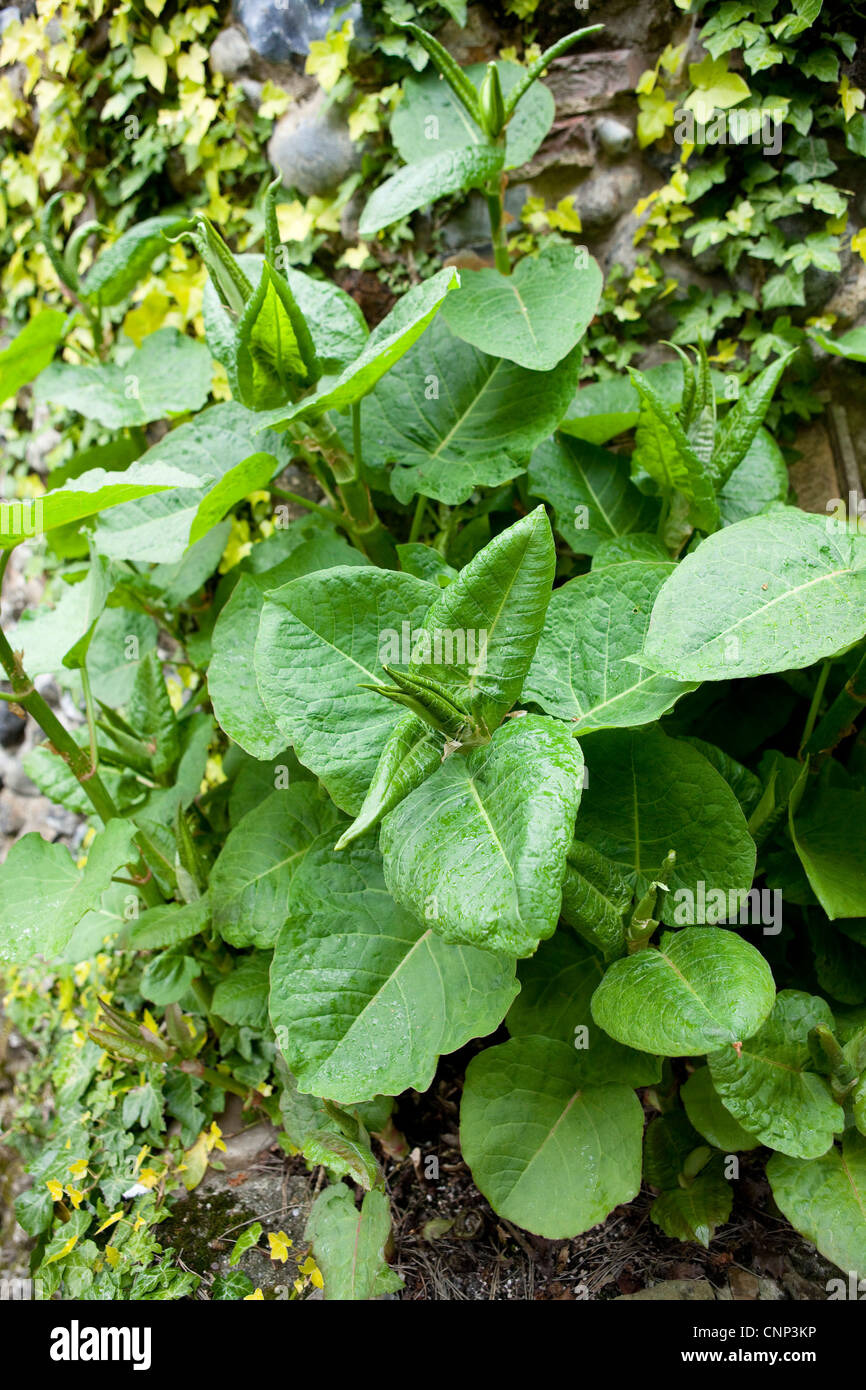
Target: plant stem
356,439
76,758
363,521
840,717
496,209
91,718
817,697
418,519
299,501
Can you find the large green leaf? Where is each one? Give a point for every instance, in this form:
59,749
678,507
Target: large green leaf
550,1150
431,118
365,996
43,894
450,418
349,1244
157,529
594,898
320,640
532,317
479,848
699,989
758,481
608,408
769,1085
30,351
828,831
252,878
232,684
422,183
556,988
242,997
51,638
412,752
118,269
89,495
580,669
591,492
168,374
825,1200
385,346
648,794
710,1118
497,604
775,592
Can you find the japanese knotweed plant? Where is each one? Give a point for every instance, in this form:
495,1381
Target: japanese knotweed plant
423,789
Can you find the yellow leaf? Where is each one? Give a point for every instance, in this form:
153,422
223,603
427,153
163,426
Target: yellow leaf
78,1168
566,217
75,1197
195,1163
156,7
257,1297
329,57
112,1255
293,221
147,64
852,98
56,1189
63,1251
355,256
275,101
280,1245
215,1134
858,242
109,1221
161,42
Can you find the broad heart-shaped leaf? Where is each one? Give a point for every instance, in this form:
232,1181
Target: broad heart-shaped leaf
770,1087
232,685
157,529
336,324
91,494
43,894
387,343
424,182
828,831
699,989
54,637
320,640
710,1118
30,351
663,451
591,492
242,997
497,606
431,119
118,269
168,374
556,987
412,752
825,1200
593,624
532,317
776,592
648,794
365,996
252,878
349,1245
450,418
851,345
594,897
758,481
550,1150
478,850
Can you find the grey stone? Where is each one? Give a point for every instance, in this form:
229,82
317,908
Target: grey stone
848,300
252,89
477,41
607,194
12,726
584,82
278,30
310,148
469,227
230,52
615,137
620,248
571,144
243,1148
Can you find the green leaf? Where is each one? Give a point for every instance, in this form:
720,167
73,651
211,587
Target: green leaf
591,492
151,715
742,422
250,475
91,494
168,976
542,63
418,185
169,925
365,996
648,794
758,481
556,987
828,834
413,751
825,1200
580,670
43,894
425,563
251,882
776,592
51,638
117,270
385,346
710,1118
157,530
167,375
349,1244
237,703
694,1212
275,357
30,351
607,408
663,451
549,1149
594,898
497,604
450,418
446,66
851,345
532,317
247,1240
242,998
699,989
320,640
769,1086
431,120
479,848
